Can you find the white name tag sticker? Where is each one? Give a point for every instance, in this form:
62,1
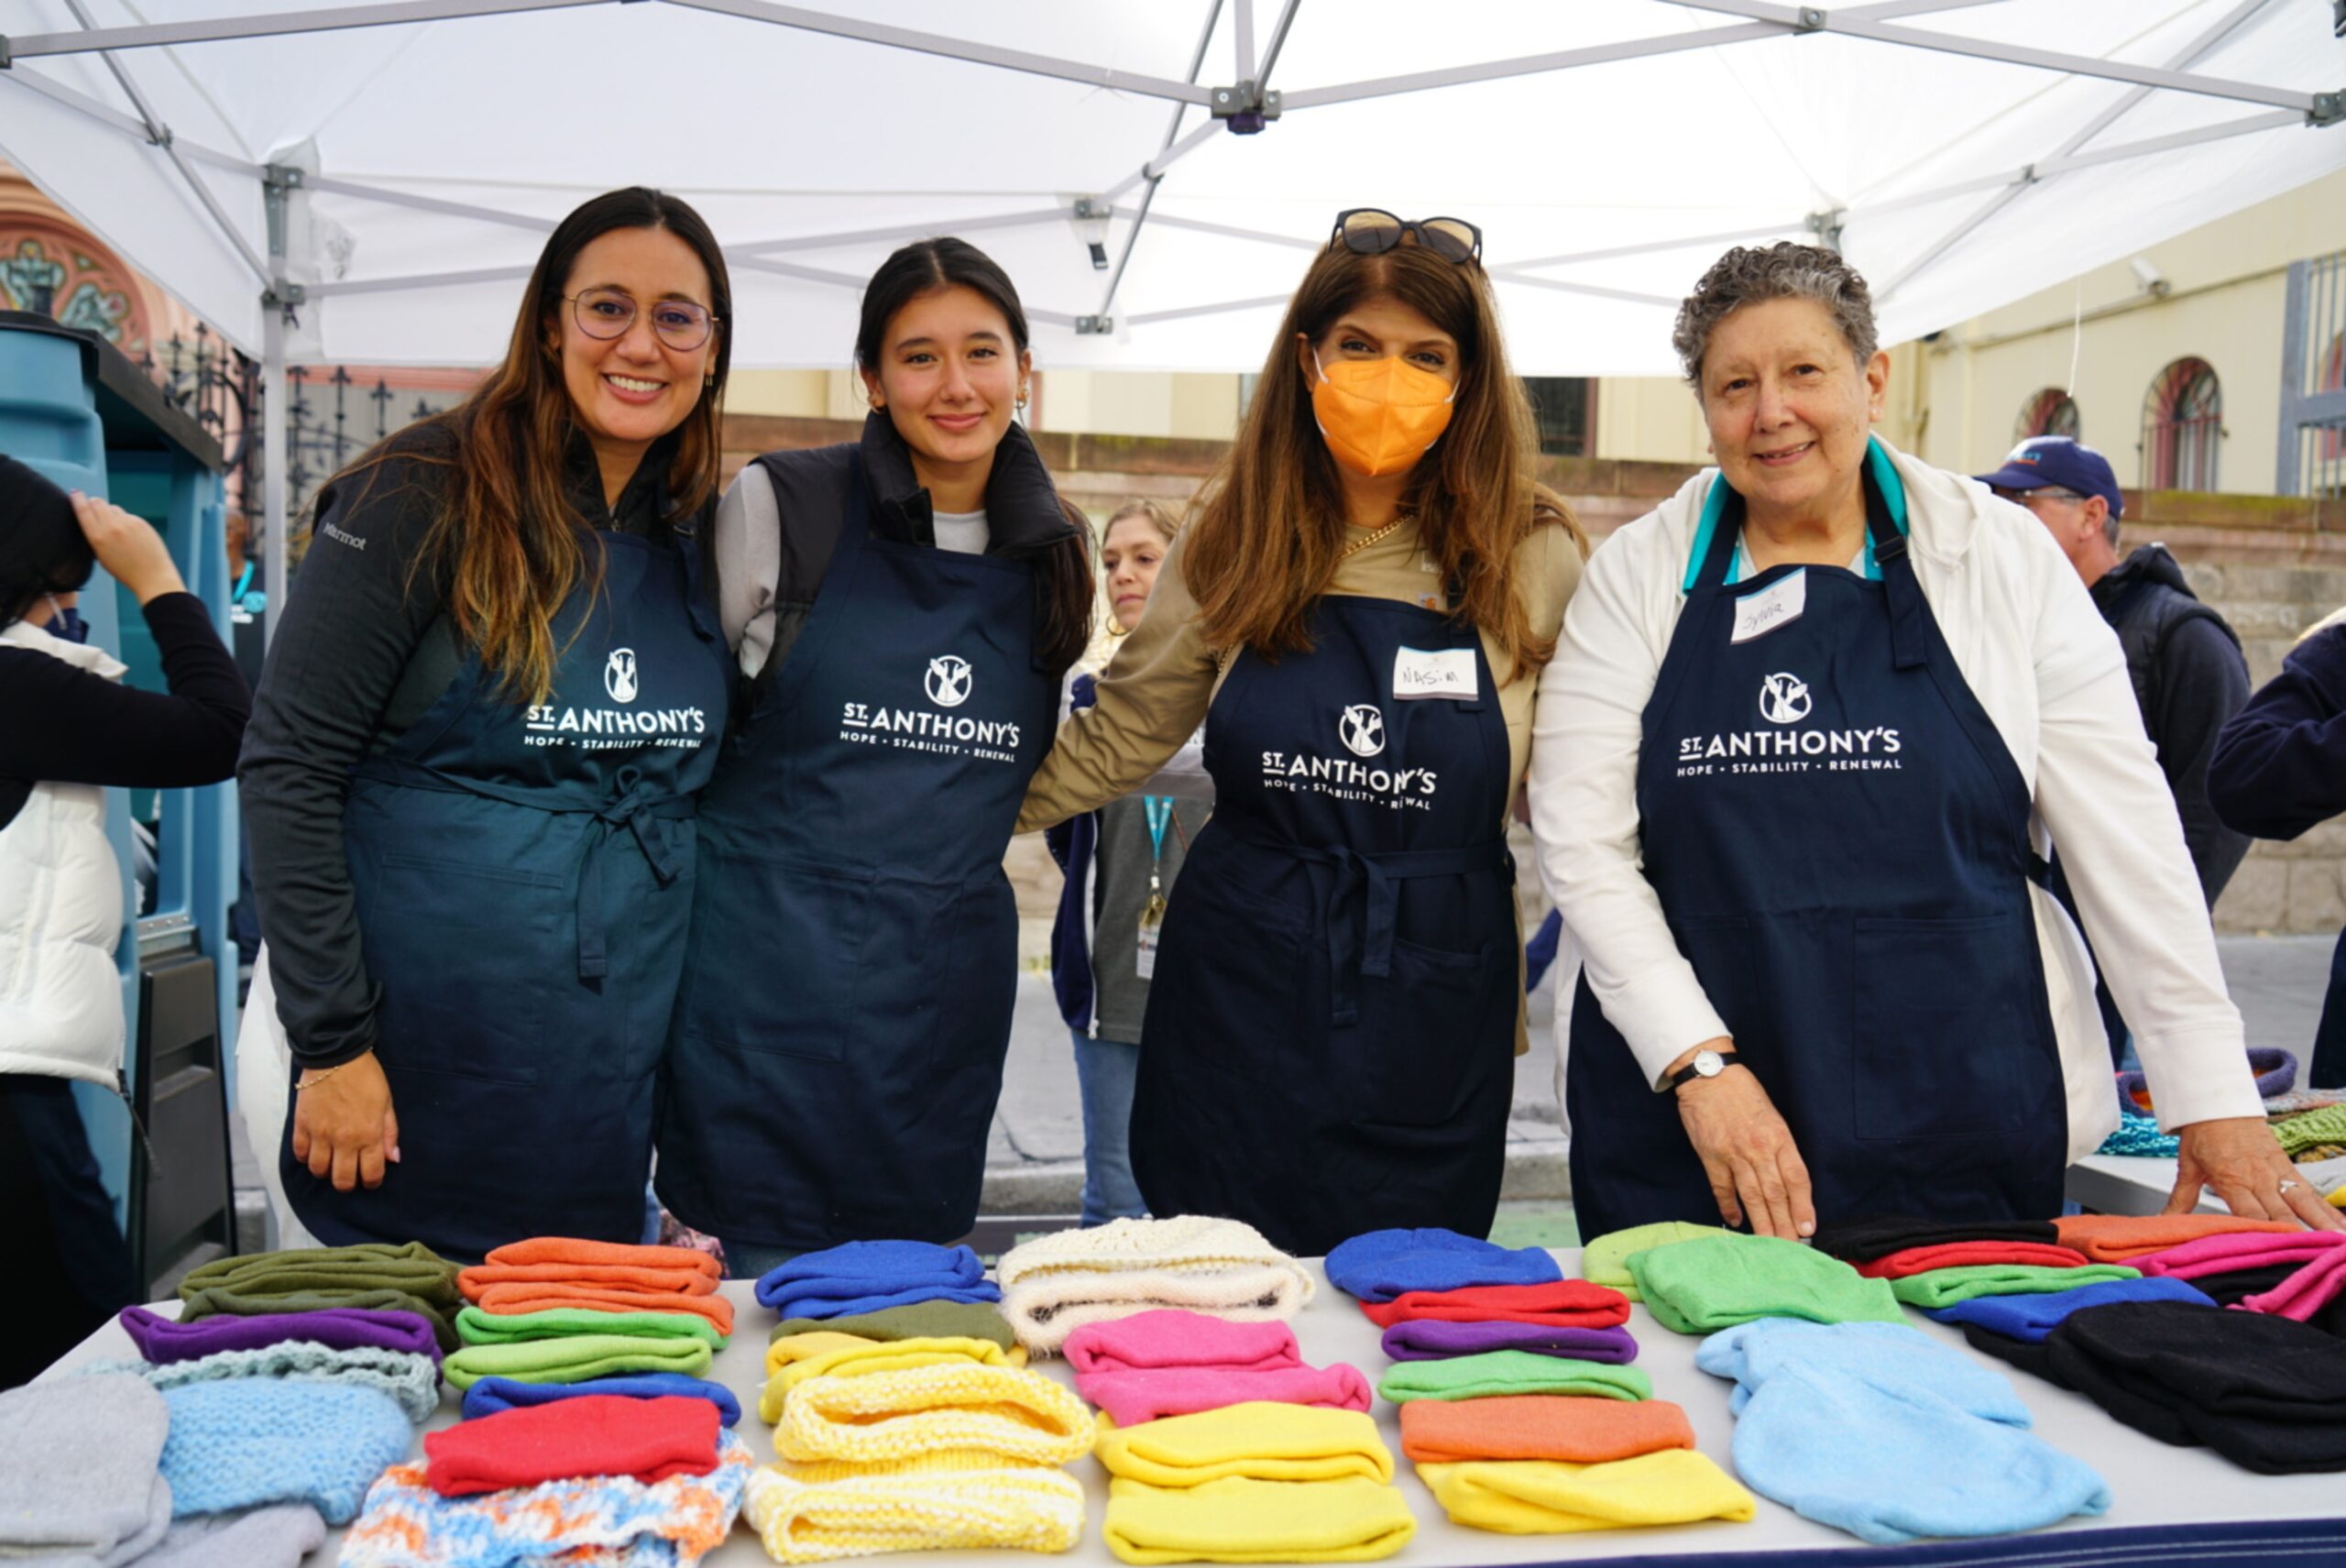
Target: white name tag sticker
1448,672
1756,615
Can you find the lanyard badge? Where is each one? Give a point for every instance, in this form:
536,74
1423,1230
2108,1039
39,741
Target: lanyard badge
1159,810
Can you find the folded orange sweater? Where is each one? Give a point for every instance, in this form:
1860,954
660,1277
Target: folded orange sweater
1573,1428
2122,1238
547,1296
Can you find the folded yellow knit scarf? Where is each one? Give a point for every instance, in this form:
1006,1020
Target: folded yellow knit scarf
957,1406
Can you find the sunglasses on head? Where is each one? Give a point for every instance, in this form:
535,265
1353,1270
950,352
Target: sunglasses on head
1370,231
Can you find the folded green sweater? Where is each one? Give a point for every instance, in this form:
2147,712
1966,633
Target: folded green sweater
1701,1287
1497,1372
921,1319
1606,1260
1946,1286
574,1358
410,1277
477,1327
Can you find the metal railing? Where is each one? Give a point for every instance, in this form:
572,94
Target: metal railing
2312,457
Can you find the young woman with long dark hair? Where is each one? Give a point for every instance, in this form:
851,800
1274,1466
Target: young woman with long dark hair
1357,612
470,769
904,607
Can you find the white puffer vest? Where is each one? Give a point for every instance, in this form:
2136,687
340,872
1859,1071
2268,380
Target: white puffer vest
60,915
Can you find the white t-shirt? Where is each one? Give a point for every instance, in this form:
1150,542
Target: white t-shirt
962,532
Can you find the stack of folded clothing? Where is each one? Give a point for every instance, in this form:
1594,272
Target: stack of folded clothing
494,1396
1165,1363
1252,1483
1606,1260
2013,1328
1874,1428
935,1443
579,1480
408,1278
1571,1317
2127,1238
862,1278
1932,1264
557,1309
86,1468
2299,1275
1056,1284
2266,1393
1511,1372
395,1352
1720,1281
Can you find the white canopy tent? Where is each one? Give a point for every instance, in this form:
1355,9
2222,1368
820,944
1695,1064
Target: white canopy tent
370,182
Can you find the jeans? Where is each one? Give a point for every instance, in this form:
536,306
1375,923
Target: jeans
1105,1070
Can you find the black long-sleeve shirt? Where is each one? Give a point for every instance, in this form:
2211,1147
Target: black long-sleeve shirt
2279,767
61,724
361,656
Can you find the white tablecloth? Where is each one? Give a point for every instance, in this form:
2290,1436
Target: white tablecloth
2150,1485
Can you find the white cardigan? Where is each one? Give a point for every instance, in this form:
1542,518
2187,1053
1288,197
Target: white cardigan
60,915
2049,672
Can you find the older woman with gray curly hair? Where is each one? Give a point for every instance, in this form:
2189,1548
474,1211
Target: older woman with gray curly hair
1814,725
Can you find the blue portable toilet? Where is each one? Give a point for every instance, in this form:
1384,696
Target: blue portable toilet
75,408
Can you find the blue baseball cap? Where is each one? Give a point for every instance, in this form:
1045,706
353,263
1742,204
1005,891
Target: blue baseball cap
2048,462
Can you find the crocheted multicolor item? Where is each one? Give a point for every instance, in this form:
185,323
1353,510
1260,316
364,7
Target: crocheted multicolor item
1056,1284
1004,1414
2138,1135
602,1521
810,1513
252,1440
412,1380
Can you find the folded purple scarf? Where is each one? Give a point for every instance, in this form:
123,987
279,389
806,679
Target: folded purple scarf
161,1339
1429,1339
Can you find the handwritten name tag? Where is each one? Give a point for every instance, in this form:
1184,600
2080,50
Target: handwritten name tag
1756,615
1449,672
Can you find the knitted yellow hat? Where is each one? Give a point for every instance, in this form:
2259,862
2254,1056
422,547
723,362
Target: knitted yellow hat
884,1418
809,1513
1265,1440
845,1357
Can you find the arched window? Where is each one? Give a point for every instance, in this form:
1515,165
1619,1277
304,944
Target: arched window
2183,420
2049,412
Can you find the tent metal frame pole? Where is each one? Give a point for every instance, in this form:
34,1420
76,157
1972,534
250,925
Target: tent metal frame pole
1649,247
159,135
1241,20
115,119
1155,167
1230,230
276,302
1188,312
1027,219
1856,24
1533,65
2191,53
348,287
214,30
391,198
1101,320
918,43
803,274
1279,39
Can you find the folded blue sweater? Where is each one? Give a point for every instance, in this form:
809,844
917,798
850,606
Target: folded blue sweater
2030,1318
1381,1265
1877,1430
869,1277
493,1396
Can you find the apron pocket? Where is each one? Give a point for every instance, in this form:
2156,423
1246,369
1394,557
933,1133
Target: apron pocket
440,937
1424,1041
1942,1036
1231,979
777,952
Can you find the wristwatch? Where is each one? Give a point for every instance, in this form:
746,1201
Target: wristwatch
1706,1064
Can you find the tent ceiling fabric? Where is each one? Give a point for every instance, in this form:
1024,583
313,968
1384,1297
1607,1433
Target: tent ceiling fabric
1602,188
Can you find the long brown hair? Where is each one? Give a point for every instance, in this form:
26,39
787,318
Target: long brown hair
506,539
1269,526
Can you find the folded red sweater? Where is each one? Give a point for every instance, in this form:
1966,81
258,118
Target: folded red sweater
1559,1304
1957,1255
594,1435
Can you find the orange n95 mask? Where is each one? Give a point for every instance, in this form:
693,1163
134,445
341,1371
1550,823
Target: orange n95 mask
1379,416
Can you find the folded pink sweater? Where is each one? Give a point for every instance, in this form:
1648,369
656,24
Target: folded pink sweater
2237,1250
1169,1338
2307,1291
1152,1393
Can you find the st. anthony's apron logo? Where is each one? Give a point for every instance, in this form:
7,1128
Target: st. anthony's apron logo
947,681
618,674
1360,728
1783,699
1786,700
616,727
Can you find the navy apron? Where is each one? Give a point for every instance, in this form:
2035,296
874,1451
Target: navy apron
1839,841
1329,1044
838,1044
523,877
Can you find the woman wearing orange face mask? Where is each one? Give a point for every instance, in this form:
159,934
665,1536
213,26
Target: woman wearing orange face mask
1358,613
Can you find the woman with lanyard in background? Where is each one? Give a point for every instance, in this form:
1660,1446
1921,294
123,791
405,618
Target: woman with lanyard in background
470,768
1337,996
1103,943
905,607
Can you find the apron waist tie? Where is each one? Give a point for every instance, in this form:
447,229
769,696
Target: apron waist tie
649,818
1341,876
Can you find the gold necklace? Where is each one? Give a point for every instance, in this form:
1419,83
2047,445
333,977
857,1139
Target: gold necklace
1357,546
